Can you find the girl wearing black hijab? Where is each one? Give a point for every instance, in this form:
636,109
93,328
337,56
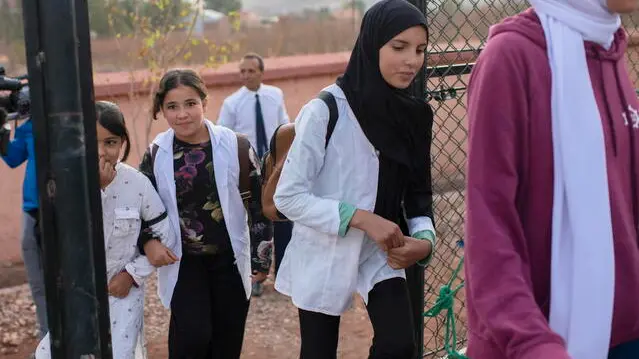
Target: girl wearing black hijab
348,196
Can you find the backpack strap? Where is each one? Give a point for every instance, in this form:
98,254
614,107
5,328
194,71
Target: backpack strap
148,168
154,152
243,150
272,148
333,113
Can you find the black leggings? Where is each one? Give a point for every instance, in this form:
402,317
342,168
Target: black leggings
208,309
281,237
625,351
390,312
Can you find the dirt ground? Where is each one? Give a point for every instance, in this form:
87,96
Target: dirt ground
272,329
12,273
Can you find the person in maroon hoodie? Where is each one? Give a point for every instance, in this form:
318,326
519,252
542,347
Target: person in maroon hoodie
552,251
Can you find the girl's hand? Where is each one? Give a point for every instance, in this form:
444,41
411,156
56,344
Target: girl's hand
120,285
413,251
107,173
385,233
158,254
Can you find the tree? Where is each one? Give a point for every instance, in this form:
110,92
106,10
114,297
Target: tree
163,33
12,36
11,29
324,13
98,18
128,16
224,6
357,5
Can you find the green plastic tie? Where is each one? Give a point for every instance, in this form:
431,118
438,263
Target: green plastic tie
445,302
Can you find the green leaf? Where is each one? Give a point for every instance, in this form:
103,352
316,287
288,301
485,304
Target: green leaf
149,42
209,167
217,215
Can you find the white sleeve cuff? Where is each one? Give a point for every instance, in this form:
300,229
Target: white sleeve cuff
130,268
419,224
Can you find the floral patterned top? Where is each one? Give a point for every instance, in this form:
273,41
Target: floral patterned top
200,210
201,218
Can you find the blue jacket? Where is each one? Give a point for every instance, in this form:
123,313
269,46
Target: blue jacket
22,149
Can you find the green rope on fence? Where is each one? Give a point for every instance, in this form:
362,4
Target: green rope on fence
445,301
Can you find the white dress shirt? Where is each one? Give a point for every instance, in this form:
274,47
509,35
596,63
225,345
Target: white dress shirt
238,111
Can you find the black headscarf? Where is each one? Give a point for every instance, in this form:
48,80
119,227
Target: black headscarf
397,124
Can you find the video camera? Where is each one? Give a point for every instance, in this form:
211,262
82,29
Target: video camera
15,104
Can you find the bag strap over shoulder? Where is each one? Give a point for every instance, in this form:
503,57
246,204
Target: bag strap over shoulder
243,153
272,148
329,100
154,152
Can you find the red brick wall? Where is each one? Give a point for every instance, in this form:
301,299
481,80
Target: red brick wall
299,83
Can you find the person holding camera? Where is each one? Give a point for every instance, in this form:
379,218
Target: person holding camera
18,151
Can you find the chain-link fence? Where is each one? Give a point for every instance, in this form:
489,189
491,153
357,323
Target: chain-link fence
631,24
458,31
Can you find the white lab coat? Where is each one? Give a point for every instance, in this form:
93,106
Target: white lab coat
129,199
320,269
227,174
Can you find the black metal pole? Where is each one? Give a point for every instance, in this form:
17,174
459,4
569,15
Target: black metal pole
415,274
63,114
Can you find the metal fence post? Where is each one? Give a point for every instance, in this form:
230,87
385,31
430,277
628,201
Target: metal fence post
63,113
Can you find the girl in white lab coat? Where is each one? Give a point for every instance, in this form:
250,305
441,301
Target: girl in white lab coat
128,198
347,198
202,173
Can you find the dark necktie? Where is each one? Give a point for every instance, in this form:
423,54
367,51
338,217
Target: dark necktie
260,131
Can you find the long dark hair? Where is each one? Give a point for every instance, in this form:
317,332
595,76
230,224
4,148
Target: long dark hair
110,117
171,80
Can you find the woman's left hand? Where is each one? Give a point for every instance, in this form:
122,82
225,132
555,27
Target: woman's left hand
412,251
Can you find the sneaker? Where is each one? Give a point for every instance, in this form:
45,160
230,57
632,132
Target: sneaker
258,289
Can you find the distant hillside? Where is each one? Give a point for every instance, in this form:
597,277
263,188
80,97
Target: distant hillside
275,7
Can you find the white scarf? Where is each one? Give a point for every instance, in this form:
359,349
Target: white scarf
582,262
